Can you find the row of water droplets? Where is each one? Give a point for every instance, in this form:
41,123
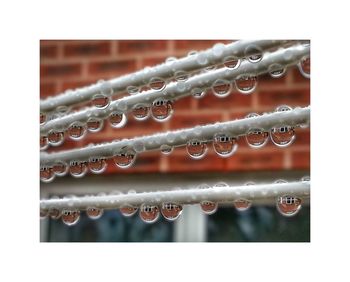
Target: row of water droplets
288,205
224,144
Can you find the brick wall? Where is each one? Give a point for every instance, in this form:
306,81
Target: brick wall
70,64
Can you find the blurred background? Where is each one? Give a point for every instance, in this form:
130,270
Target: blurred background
66,64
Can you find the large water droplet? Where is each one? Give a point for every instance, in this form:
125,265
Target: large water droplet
77,168
70,217
196,149
97,164
132,90
282,136
55,138
162,110
209,207
202,59
94,213
288,205
60,168
305,66
181,76
125,158
94,124
117,119
242,204
231,62
256,53
246,84
105,87
257,138
128,210
43,213
141,112
76,131
166,149
42,118
198,92
149,213
54,214
224,145
46,174
222,88
157,83
43,143
100,101
171,211
218,49
276,70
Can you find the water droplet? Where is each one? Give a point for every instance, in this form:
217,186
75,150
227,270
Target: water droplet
209,207
128,210
282,136
305,178
254,53
54,213
171,211
141,112
157,83
105,87
181,86
218,49
94,124
166,149
242,204
125,158
46,174
288,205
276,70
139,146
231,62
42,118
192,53
149,213
162,110
196,149
60,168
181,76
43,213
280,181
117,119
94,213
43,143
224,145
170,60
55,138
198,92
70,217
246,84
222,88
209,68
76,131
100,101
257,138
305,66
202,59
62,109
77,168
97,164
132,90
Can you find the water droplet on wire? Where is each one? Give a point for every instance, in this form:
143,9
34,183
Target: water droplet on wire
166,149
222,88
198,92
231,62
305,66
125,158
77,168
60,168
94,213
254,53
55,138
44,144
288,205
157,83
149,213
76,131
162,110
276,70
54,214
246,84
209,207
282,136
70,217
128,210
100,101
97,164
224,145
181,76
171,211
141,112
132,90
42,118
242,204
94,124
117,119
46,174
196,149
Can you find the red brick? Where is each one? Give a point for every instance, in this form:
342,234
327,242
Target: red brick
302,137
141,46
298,77
183,104
76,84
301,160
266,80
87,49
197,44
150,62
48,52
234,100
191,119
274,98
62,70
47,89
255,160
180,161
114,67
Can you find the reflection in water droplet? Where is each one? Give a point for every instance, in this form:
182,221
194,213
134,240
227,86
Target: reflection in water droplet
242,204
196,149
288,205
141,112
282,136
42,118
97,164
117,119
166,149
46,174
77,168
254,53
305,66
43,213
198,92
54,213
162,110
157,83
94,124
132,90
70,217
171,211
125,158
128,210
149,213
209,207
231,62
224,145
76,131
222,88
246,84
60,168
181,76
257,138
94,213
43,143
305,178
276,70
218,49
55,138
100,101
